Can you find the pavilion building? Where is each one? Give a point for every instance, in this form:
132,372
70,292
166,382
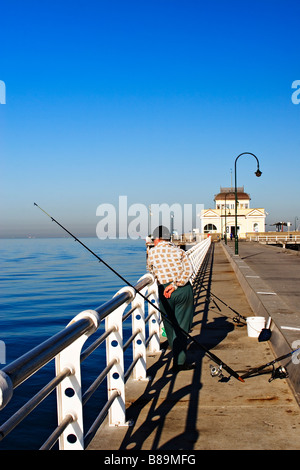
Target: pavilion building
221,219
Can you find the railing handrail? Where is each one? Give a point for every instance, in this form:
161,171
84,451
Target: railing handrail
66,348
196,254
26,365
285,237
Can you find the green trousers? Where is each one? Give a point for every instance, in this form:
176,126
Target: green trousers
179,309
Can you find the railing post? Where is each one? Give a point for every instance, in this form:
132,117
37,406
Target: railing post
154,321
114,351
139,342
69,393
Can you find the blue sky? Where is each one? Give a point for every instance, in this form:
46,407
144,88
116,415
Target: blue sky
149,99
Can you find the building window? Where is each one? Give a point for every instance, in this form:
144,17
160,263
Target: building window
255,227
209,228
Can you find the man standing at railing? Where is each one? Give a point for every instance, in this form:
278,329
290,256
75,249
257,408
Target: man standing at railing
172,269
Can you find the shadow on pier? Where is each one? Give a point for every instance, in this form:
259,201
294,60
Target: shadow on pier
167,390
192,410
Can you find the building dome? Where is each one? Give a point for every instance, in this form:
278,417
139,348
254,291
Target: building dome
229,193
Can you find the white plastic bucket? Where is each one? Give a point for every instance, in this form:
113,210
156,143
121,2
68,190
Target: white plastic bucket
255,325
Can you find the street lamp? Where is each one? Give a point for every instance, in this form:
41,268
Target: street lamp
149,221
258,173
225,236
172,226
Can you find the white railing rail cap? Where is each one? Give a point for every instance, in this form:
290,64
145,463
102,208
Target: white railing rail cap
6,389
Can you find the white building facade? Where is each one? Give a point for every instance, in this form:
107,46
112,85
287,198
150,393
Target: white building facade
221,219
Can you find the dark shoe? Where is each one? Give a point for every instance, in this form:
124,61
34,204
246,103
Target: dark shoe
186,366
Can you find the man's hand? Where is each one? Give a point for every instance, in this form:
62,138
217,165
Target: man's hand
168,291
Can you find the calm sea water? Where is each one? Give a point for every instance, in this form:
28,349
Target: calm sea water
44,284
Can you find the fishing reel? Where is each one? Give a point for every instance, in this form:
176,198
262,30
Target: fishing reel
279,373
216,371
238,321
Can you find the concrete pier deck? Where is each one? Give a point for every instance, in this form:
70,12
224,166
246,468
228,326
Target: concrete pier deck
270,278
192,410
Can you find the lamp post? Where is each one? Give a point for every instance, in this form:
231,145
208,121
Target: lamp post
258,174
149,221
172,226
225,236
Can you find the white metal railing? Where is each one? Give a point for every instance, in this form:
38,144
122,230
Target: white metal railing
66,349
197,254
275,238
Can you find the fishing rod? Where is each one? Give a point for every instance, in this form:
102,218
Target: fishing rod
255,370
235,319
265,333
215,358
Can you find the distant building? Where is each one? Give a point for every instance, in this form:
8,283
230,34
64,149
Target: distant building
221,219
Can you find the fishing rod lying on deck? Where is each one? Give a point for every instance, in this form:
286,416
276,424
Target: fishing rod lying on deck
265,333
280,372
236,319
215,358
